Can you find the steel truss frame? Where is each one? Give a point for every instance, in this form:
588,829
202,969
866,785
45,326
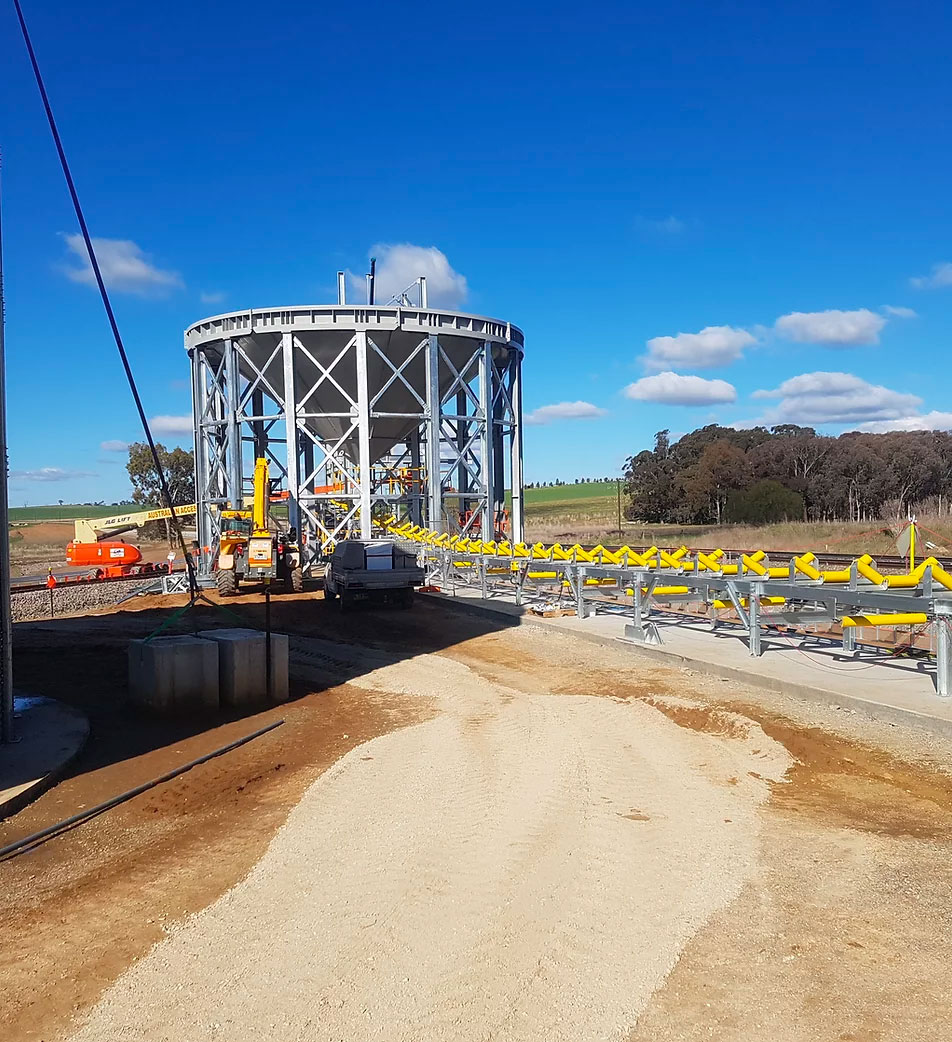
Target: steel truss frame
465,447
807,601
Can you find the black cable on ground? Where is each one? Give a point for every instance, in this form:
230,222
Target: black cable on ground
20,846
93,260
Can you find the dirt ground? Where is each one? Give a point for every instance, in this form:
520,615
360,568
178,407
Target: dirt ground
841,931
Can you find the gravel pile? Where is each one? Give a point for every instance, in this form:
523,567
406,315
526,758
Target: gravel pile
521,867
75,599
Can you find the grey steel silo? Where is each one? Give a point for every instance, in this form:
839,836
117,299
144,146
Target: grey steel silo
364,411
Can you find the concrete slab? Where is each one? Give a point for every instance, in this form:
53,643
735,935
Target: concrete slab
242,657
898,690
49,736
174,675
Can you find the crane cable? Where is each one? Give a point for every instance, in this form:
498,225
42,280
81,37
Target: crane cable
163,482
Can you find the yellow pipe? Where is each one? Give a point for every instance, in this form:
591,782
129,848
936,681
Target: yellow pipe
865,568
896,618
941,576
710,561
743,601
804,564
752,562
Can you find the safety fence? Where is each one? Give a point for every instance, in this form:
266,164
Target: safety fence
800,594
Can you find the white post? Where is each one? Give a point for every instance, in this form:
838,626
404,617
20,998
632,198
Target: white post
423,302
341,288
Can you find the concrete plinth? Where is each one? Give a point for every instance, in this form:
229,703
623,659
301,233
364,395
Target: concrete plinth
242,655
174,674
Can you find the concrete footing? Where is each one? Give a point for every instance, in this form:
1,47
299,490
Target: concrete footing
171,675
241,657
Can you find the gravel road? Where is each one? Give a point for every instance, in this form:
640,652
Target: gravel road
521,866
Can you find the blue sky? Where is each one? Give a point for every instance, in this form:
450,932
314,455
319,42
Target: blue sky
606,178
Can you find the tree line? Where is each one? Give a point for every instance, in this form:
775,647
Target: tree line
718,474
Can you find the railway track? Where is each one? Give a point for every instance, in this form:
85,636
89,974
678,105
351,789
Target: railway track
69,583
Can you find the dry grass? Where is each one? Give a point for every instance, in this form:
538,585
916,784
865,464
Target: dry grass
820,537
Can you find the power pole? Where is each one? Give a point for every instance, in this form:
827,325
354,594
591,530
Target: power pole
6,621
618,488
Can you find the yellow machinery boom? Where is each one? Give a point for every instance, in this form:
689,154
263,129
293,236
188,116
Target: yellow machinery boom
90,530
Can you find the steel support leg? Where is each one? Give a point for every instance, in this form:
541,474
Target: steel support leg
363,435
753,622
291,434
486,439
434,477
232,429
849,640
943,648
518,526
415,506
202,491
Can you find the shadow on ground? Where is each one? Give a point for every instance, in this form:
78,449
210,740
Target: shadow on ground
83,661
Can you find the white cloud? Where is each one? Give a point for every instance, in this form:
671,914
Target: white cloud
899,312
838,328
50,474
712,346
114,445
836,398
930,421
171,424
564,411
670,225
212,298
124,267
400,264
939,278
677,389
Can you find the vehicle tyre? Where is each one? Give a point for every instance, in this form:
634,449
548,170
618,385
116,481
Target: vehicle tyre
295,580
227,582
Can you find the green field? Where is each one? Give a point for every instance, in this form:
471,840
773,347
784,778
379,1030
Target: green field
585,511
591,499
69,511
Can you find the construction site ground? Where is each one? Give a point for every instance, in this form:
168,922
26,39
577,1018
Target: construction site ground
468,828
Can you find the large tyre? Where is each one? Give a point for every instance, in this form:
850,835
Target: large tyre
295,580
227,582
